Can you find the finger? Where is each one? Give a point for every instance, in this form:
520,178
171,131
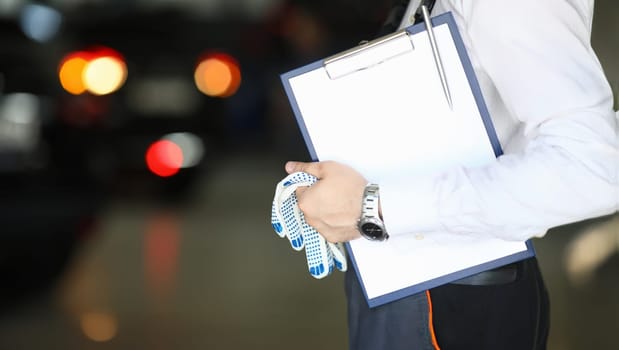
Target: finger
310,168
285,217
339,257
291,222
319,261
276,222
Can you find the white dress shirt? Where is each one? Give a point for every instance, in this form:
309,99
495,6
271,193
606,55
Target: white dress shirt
551,106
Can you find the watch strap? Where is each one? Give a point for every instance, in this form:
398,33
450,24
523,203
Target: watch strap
371,225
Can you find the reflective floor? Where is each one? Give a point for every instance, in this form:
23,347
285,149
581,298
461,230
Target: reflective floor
209,273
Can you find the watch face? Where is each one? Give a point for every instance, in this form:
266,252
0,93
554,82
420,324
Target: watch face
372,230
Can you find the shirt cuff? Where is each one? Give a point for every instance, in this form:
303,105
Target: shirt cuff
410,206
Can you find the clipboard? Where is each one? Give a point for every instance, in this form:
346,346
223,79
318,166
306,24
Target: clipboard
381,109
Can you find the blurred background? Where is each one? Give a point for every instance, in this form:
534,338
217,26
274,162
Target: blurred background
140,143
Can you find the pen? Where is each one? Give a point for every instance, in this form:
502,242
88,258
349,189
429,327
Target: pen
437,56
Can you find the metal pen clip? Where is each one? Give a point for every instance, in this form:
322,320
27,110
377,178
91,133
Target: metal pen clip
436,54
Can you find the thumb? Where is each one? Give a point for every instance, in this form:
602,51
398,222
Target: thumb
310,168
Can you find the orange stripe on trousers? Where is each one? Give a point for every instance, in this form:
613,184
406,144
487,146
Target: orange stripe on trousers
431,322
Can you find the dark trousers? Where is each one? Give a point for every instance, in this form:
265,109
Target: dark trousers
399,325
506,316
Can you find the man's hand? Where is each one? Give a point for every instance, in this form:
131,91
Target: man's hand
332,205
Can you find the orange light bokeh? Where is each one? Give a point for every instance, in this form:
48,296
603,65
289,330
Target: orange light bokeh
218,75
98,326
70,73
99,70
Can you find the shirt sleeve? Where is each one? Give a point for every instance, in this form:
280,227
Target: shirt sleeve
539,58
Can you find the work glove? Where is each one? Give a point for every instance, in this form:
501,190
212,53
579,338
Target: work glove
288,221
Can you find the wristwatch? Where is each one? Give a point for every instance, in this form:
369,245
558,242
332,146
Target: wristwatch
370,224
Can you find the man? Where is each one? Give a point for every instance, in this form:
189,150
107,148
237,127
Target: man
552,109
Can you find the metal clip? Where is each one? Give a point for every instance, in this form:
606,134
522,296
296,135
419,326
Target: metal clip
352,60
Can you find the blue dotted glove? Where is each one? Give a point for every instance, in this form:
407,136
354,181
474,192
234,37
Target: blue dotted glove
288,221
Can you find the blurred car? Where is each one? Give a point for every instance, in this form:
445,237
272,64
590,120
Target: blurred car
65,151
